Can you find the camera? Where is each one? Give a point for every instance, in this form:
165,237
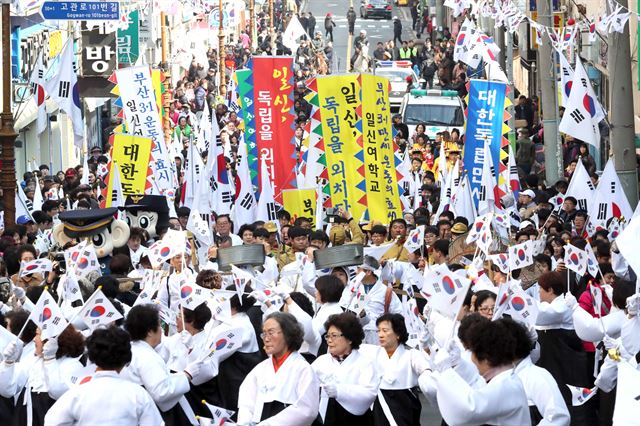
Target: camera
62,264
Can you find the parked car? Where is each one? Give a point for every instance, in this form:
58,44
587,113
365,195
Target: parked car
379,8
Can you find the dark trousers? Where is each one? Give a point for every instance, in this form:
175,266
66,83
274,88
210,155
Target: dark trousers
351,27
329,33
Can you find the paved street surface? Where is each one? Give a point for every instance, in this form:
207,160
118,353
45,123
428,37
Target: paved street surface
377,29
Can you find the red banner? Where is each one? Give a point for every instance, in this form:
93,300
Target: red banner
274,119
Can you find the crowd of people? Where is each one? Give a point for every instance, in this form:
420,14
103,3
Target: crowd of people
360,344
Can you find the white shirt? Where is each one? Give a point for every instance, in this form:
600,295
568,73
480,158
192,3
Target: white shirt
355,378
14,377
402,370
374,303
542,391
554,315
147,368
590,329
294,384
87,404
501,402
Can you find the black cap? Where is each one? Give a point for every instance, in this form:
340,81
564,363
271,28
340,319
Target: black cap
86,223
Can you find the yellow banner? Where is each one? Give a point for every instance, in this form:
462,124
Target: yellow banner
133,155
383,199
55,43
300,203
339,99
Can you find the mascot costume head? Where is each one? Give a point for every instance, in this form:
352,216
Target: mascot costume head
99,226
149,212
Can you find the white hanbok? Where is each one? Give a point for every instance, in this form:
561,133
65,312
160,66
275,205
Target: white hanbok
356,382
397,399
501,402
543,393
147,368
289,396
107,400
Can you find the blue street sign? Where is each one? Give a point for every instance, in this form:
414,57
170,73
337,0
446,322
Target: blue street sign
81,10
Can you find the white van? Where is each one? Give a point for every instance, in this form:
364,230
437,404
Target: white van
439,109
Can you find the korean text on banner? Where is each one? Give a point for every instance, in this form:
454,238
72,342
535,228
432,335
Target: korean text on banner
300,203
273,92
141,114
383,199
129,40
132,153
484,123
338,97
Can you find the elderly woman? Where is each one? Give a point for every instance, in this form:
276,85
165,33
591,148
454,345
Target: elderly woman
502,400
282,390
347,378
399,368
128,403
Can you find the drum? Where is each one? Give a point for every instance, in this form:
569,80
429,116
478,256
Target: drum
344,255
245,255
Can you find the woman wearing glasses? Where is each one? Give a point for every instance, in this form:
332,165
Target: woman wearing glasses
348,379
283,389
484,302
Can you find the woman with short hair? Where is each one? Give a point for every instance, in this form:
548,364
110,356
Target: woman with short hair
329,290
348,379
126,404
399,368
147,368
283,389
502,401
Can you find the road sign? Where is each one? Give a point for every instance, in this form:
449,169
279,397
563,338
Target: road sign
81,10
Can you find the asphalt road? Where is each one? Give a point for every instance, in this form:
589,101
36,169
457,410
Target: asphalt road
377,29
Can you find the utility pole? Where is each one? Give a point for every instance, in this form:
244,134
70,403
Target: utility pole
222,90
440,9
272,32
252,24
546,68
621,117
8,134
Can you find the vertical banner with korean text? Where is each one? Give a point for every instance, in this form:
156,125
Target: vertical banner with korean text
140,107
484,124
274,119
339,102
129,41
383,199
132,154
300,203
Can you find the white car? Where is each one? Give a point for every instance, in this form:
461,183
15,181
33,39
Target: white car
439,110
396,72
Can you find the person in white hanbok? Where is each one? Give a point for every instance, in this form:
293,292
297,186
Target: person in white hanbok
106,399
147,368
190,345
561,351
379,298
43,376
282,390
329,289
546,405
348,379
502,401
399,368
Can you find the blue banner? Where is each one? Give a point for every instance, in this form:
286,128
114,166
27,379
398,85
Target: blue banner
484,123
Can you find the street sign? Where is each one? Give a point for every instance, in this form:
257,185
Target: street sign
81,10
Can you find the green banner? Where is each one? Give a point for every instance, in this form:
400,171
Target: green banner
129,42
